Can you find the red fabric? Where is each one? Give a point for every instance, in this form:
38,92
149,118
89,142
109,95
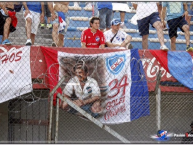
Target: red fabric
13,18
60,19
191,53
51,57
92,40
162,58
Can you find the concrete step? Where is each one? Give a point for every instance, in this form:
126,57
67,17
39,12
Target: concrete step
22,39
42,33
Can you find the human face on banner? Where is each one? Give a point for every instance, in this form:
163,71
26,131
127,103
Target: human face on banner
80,73
95,24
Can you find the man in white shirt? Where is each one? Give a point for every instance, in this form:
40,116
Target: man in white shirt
117,38
147,13
86,90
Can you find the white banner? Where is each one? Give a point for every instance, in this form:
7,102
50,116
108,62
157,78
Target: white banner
15,78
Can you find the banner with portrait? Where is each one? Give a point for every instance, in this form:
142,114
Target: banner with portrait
110,86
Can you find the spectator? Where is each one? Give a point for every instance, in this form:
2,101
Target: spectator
159,5
160,10
105,14
33,12
190,12
8,20
48,15
122,16
147,13
86,89
176,18
115,37
186,139
57,10
93,37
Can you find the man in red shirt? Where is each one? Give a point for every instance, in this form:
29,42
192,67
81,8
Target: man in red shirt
93,37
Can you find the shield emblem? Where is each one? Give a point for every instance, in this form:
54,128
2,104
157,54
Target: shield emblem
89,89
97,38
115,63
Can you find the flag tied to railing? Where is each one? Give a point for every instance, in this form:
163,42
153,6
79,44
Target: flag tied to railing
178,63
117,78
15,78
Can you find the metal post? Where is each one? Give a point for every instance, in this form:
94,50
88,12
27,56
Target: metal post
158,100
51,107
158,78
57,119
158,109
98,123
93,9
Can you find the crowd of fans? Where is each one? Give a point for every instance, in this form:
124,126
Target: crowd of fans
104,31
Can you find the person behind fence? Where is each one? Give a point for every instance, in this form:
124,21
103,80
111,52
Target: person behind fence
188,139
190,12
8,20
160,11
147,13
32,13
105,14
48,15
176,12
57,10
93,37
86,90
117,38
122,16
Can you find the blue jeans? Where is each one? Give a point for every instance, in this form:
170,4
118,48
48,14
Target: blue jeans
106,16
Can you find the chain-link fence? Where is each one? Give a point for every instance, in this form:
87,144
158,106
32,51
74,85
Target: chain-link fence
78,14
159,90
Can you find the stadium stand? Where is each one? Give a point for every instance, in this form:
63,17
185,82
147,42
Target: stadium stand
79,20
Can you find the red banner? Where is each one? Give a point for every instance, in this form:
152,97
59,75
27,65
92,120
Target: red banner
151,67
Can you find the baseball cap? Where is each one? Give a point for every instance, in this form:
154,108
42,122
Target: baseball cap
115,22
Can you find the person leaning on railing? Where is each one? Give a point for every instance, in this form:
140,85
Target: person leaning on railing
8,20
32,13
86,91
93,37
147,13
117,38
176,12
